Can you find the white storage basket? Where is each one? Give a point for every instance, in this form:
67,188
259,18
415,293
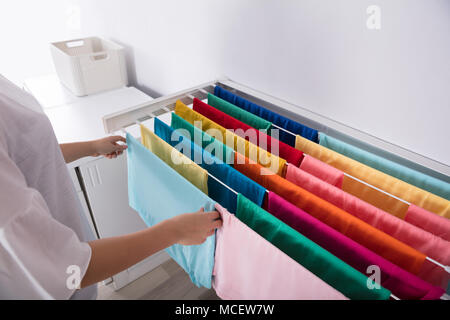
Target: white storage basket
89,65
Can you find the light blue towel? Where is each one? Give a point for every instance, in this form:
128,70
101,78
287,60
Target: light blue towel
222,171
416,178
158,192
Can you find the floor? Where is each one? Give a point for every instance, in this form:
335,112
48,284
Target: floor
166,282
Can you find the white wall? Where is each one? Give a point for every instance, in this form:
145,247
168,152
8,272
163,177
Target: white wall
393,83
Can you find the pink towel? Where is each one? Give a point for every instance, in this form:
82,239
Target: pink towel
322,171
429,221
421,240
248,267
401,283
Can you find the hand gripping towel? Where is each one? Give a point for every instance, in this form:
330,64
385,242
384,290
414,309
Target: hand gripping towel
157,193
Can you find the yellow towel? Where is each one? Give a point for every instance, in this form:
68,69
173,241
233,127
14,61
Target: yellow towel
175,159
394,186
238,144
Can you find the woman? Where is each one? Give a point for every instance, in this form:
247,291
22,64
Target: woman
43,232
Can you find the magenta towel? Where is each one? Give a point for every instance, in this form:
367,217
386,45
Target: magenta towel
401,283
417,238
429,221
322,171
248,267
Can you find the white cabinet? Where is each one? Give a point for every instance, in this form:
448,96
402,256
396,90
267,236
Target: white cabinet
105,183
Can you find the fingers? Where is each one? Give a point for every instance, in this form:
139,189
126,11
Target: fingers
213,215
217,224
117,138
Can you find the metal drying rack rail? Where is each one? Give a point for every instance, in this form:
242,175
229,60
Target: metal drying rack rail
116,121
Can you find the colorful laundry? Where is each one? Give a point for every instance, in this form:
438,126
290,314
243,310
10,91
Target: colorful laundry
323,264
279,120
240,275
394,186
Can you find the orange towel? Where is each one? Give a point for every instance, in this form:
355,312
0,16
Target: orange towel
379,242
401,189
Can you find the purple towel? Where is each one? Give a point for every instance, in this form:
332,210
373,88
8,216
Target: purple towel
400,282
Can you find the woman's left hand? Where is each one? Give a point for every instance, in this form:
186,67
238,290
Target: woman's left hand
108,147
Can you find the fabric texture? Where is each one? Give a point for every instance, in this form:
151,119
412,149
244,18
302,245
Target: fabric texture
157,193
207,142
419,239
226,174
394,186
323,264
401,283
255,136
239,113
240,275
354,228
43,229
175,159
414,177
283,122
322,171
252,151
425,220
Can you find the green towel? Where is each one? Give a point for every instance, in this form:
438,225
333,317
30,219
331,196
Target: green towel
204,140
323,264
238,113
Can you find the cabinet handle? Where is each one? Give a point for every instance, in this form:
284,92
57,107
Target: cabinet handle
94,175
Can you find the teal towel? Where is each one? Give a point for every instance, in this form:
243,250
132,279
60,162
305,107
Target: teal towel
416,178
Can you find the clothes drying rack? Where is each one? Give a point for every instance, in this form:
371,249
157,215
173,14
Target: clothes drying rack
119,121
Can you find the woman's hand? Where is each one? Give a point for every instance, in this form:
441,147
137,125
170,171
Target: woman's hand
108,147
194,228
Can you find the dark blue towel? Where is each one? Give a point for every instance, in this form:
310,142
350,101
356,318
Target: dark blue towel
283,122
222,171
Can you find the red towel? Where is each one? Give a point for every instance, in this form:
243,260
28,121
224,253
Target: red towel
259,138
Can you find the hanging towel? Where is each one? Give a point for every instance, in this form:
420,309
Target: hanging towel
239,144
416,178
157,193
401,283
419,239
322,171
226,174
238,113
248,267
175,159
392,185
271,116
423,219
259,138
323,264
210,144
361,232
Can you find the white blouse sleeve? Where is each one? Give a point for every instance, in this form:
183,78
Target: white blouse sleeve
36,251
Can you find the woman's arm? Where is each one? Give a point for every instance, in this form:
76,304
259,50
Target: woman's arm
113,255
107,147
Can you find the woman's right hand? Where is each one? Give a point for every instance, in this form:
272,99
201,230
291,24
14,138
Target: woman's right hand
194,228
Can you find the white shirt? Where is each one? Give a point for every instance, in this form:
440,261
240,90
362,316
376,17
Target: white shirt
42,227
